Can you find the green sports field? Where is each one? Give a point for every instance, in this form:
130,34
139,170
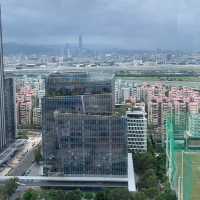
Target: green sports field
188,167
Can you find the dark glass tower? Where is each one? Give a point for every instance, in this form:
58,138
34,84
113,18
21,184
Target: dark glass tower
81,134
2,104
7,103
10,110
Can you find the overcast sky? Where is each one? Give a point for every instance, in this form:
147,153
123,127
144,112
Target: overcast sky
132,24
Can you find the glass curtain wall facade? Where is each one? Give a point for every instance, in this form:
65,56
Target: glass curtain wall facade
2,105
75,84
10,114
7,103
81,136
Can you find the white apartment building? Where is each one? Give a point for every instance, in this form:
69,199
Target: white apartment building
137,129
37,116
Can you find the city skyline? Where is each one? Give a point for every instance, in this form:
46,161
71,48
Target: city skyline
134,24
100,98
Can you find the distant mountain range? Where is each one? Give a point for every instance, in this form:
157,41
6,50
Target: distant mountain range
29,49
26,49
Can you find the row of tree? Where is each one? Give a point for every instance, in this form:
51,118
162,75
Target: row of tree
114,194
152,183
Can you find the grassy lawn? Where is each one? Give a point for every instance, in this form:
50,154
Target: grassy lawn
158,78
193,82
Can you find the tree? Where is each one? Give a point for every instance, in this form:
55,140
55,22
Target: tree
140,196
55,195
168,194
151,192
143,162
74,195
30,194
38,155
100,196
3,195
22,135
161,166
152,181
118,194
88,195
11,186
148,180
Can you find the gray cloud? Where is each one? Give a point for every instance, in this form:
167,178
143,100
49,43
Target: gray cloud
134,24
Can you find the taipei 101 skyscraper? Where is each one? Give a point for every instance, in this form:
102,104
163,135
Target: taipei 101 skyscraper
2,100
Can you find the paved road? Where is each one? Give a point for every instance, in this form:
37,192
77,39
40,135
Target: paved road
24,164
35,170
22,160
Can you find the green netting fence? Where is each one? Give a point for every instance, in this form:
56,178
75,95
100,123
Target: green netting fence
183,164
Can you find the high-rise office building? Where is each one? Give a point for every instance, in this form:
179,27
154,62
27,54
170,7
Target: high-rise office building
10,110
80,42
7,103
67,51
2,100
81,134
